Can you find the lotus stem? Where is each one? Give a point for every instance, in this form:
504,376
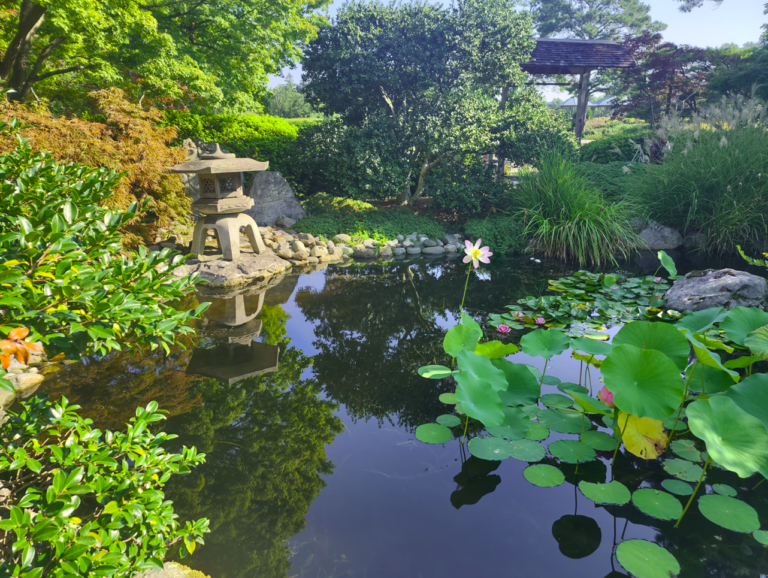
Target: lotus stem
581,443
466,283
621,434
682,403
543,373
466,425
696,489
758,483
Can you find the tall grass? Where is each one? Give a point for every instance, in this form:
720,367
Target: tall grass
569,219
715,178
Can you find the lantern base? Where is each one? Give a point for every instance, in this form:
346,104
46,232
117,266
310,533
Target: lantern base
228,229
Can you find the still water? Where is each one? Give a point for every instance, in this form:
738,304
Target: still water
305,396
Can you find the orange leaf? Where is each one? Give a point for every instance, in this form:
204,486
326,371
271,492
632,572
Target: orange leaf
22,355
5,360
18,334
33,347
8,347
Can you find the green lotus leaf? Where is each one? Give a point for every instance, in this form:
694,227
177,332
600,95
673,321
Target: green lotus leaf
432,433
531,411
707,379
590,404
527,450
751,395
567,387
741,321
591,346
610,493
556,400
535,371
537,432
448,420
657,504
490,448
522,387
448,398
761,536
495,349
686,449
461,338
644,382
645,559
434,371
710,358
667,262
543,475
658,336
683,469
724,490
701,320
599,440
678,487
565,421
544,343
475,388
572,451
741,362
730,513
757,341
550,380
514,426
735,440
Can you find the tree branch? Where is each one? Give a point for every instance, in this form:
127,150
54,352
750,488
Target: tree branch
65,71
30,19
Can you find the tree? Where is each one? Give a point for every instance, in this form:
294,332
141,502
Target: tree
425,75
288,102
191,52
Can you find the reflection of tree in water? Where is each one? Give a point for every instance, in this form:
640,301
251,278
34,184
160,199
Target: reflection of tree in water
375,326
265,440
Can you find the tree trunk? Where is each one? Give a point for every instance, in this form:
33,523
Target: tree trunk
581,104
425,168
31,17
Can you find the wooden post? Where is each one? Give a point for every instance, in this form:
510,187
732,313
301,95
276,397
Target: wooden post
581,104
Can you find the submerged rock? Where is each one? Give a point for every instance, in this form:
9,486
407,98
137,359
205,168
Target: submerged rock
717,288
660,238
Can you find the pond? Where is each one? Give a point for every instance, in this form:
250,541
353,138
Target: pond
312,466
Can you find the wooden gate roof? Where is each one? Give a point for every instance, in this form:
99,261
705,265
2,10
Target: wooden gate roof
575,56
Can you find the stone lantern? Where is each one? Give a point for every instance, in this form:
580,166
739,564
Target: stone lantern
222,201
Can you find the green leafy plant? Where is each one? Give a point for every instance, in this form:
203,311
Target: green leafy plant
82,502
618,147
502,233
63,273
612,179
381,224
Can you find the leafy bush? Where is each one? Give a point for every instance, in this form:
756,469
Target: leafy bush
379,224
260,137
324,203
467,185
502,233
84,502
124,138
304,122
612,179
597,128
63,274
714,179
604,150
568,217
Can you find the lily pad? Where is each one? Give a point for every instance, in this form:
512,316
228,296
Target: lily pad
701,320
610,493
544,343
490,448
724,490
572,451
567,387
495,349
591,346
645,559
448,420
590,404
599,440
735,440
448,398
556,400
461,338
686,449
543,475
658,336
514,426
761,536
551,380
682,469
657,504
741,321
730,513
678,487
527,450
577,536
432,433
477,384
751,395
706,379
537,432
434,371
564,421
522,386
644,382
643,436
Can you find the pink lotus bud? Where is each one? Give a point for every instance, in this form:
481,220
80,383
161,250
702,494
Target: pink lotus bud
503,329
606,397
540,321
657,279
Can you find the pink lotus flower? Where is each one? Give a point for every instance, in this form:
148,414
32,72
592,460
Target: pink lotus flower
615,287
606,396
657,280
476,254
518,315
540,321
503,329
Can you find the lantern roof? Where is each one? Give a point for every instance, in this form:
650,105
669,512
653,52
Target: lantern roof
217,166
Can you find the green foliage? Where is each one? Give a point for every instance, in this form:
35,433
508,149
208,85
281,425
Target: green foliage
322,203
617,147
84,502
612,179
261,137
63,273
502,233
380,224
568,218
467,185
287,102
598,128
714,178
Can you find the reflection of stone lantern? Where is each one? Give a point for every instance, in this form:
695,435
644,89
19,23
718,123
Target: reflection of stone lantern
222,201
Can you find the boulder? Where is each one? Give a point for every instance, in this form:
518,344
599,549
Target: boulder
433,251
342,238
285,222
660,238
717,288
273,198
298,246
307,239
413,250
399,252
429,243
695,241
386,251
450,248
318,251
362,252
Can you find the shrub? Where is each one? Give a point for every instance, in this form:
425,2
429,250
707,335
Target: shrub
614,179
83,502
502,233
604,150
324,203
260,137
381,224
62,272
568,217
597,128
466,185
714,179
126,139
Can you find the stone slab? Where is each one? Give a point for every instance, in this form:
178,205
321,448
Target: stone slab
726,288
249,268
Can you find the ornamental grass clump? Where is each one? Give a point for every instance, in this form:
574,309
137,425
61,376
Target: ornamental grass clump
569,219
715,177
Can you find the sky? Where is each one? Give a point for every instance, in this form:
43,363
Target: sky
734,21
